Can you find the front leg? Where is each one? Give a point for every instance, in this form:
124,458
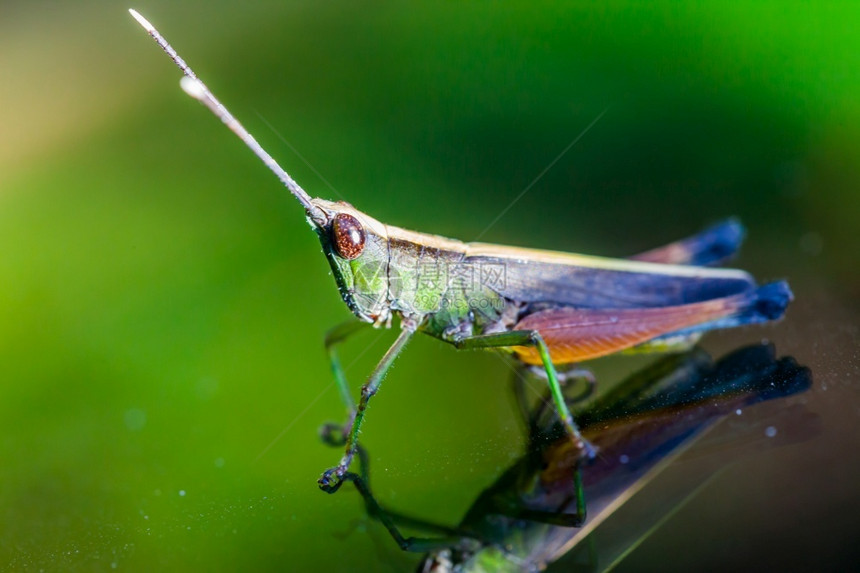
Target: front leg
334,434
331,478
332,338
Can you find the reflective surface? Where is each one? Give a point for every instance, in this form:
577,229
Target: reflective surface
534,515
162,377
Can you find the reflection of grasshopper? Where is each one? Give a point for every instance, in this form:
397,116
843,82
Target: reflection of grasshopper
529,517
546,308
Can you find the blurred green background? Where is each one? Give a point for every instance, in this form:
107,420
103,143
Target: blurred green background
163,303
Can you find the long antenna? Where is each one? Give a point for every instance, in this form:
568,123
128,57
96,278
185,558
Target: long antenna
192,85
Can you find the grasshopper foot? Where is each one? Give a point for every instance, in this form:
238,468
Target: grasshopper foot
331,479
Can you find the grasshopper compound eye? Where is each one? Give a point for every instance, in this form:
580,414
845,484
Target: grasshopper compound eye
348,236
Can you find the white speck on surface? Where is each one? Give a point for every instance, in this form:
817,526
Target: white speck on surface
181,493
624,459
770,431
738,411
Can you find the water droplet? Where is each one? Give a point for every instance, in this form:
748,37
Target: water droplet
181,493
770,431
624,459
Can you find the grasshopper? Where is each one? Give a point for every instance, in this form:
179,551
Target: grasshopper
547,309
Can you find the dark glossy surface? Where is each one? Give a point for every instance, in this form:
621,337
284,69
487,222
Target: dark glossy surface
646,424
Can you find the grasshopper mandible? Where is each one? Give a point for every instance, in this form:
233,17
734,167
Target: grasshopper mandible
546,308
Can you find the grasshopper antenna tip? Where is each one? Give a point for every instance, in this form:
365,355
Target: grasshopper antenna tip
198,90
141,20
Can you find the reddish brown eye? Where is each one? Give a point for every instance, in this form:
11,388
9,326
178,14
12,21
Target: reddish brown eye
348,236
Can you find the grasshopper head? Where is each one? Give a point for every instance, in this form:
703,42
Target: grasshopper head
356,247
